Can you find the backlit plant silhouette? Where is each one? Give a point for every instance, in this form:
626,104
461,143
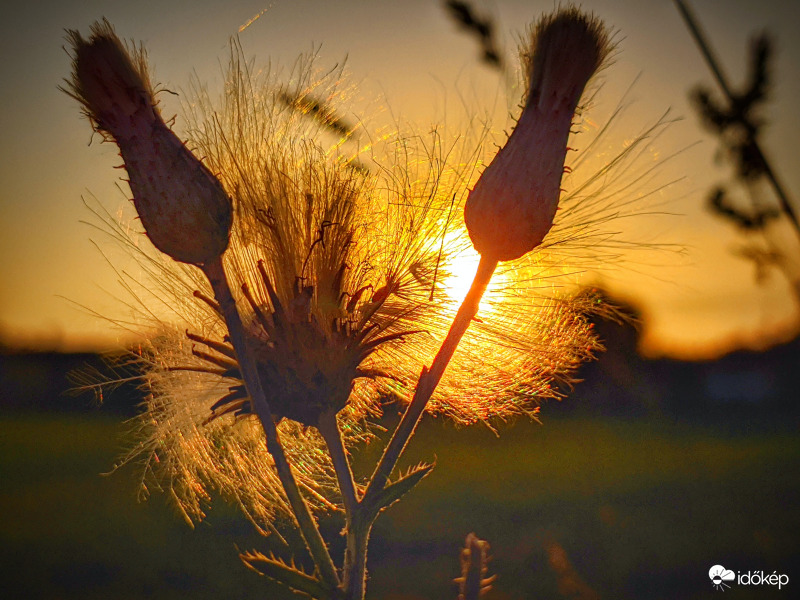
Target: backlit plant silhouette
736,121
309,288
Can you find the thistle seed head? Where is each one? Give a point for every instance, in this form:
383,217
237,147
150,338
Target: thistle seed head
341,275
185,211
512,206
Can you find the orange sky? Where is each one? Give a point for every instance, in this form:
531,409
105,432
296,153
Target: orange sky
410,57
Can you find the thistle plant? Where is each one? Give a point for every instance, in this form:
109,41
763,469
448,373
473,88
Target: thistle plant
308,287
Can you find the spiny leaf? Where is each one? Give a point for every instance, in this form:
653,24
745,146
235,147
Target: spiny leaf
289,575
394,491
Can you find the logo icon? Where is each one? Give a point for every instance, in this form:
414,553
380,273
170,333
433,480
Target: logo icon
719,575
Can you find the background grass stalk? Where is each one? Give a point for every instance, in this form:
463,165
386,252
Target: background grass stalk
215,273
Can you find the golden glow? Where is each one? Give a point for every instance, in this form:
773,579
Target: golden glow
462,271
462,268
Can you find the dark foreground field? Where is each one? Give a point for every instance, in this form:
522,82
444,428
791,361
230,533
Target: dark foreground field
577,508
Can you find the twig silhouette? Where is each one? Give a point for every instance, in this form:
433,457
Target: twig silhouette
479,27
751,162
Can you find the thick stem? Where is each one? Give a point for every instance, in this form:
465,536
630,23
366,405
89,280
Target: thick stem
355,573
430,377
215,273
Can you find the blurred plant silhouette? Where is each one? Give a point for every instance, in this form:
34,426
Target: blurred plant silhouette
736,122
482,28
473,582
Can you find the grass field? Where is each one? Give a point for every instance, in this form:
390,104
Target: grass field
577,508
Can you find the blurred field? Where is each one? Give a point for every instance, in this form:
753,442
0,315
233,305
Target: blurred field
638,509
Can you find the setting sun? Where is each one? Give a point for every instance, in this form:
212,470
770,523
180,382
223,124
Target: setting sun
462,271
462,268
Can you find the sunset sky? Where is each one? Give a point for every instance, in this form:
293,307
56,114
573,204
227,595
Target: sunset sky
408,60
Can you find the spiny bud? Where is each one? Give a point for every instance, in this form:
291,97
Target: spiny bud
474,564
512,206
185,211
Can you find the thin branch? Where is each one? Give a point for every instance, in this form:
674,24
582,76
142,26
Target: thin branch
329,429
357,528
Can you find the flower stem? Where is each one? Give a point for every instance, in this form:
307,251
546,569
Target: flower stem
215,273
430,377
329,429
361,519
354,571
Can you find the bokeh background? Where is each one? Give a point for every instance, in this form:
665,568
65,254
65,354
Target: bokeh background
679,451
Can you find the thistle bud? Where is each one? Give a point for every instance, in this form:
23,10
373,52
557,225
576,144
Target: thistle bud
512,206
185,211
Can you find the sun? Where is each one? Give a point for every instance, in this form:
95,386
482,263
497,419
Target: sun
462,267
462,271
